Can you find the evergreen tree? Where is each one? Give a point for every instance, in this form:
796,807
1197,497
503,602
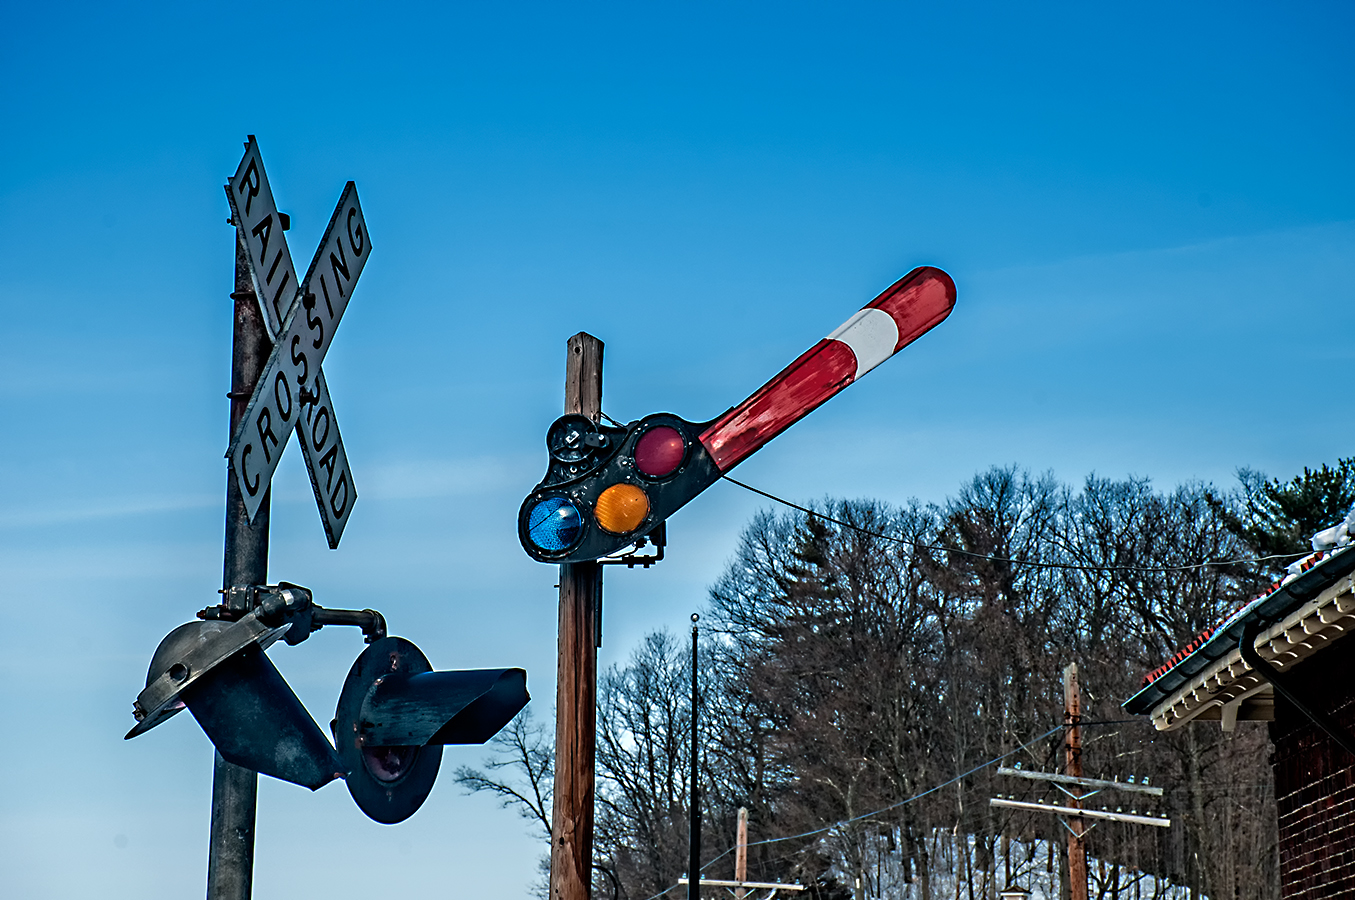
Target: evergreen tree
1280,518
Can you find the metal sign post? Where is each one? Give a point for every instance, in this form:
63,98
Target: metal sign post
281,333
395,713
235,790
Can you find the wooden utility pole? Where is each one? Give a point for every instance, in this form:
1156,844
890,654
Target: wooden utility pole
741,853
1077,847
571,855
235,790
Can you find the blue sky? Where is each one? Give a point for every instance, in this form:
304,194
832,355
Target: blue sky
1149,214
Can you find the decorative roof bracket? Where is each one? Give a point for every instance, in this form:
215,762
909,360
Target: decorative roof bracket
1246,645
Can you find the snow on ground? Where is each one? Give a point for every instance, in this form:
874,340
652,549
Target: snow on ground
1034,866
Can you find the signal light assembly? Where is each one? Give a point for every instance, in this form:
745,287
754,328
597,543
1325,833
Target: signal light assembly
610,487
394,713
614,486
219,672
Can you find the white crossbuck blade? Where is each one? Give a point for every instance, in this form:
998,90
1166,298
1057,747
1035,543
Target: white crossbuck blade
291,394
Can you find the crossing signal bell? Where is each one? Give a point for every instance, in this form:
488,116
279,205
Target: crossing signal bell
607,487
220,673
394,714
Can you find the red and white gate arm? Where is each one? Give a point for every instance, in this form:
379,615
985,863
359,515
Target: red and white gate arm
912,306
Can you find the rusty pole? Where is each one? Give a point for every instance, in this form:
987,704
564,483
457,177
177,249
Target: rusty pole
235,790
571,855
1077,847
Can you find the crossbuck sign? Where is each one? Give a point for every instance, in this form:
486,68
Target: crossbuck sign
291,394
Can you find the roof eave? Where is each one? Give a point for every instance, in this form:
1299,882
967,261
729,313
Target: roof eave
1307,585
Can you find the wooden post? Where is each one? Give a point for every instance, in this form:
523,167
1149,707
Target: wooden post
1077,847
571,856
741,852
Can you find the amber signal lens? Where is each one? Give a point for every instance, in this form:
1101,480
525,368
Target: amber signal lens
621,508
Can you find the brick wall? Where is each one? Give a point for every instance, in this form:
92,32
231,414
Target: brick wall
1315,780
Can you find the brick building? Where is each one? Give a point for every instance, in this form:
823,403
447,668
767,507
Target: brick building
1300,678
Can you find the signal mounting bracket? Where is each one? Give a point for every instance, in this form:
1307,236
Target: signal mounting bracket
658,537
287,603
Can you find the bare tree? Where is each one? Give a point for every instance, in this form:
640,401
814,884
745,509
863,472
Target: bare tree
642,764
521,770
867,665
878,651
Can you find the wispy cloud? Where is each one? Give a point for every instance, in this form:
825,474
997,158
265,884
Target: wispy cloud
1304,238
66,512
408,479
394,480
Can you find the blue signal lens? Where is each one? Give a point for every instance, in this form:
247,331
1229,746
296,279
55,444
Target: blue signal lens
554,524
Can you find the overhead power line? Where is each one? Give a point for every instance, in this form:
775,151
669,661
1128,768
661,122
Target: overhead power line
905,802
1082,567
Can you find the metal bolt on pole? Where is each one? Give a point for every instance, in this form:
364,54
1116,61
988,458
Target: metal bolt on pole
235,790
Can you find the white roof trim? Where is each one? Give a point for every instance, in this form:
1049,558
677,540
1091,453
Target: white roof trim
1326,618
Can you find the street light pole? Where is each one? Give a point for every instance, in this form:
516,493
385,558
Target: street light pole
694,864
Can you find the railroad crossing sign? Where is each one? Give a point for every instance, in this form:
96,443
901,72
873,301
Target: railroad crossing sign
291,394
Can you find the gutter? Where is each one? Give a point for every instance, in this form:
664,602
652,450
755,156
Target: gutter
1271,607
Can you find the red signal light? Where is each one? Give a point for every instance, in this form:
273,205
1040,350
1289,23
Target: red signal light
659,451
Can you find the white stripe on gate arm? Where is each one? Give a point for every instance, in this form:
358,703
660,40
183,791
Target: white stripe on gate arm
872,334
